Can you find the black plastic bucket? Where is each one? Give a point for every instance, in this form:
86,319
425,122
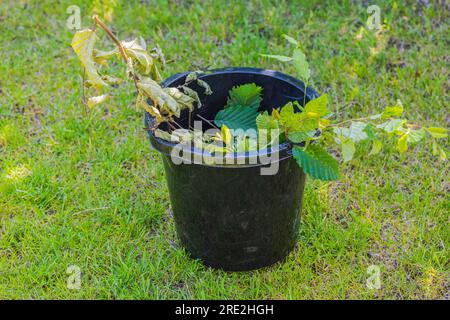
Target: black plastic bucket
231,216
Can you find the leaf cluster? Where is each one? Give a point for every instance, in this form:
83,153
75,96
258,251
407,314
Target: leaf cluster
142,66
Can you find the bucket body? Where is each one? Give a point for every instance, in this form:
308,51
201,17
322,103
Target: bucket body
233,217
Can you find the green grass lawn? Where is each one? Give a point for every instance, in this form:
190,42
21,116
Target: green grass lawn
85,189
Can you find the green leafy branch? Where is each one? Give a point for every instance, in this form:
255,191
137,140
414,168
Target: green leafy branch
312,132
297,58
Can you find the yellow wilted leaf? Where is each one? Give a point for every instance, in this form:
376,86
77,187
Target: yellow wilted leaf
275,114
143,61
83,45
184,100
161,98
93,101
101,57
226,135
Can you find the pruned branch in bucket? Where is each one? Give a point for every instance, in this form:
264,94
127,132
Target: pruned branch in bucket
309,127
142,66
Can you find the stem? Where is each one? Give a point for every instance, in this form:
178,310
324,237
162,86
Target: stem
207,121
111,35
305,93
171,127
349,120
118,43
189,119
179,126
413,125
83,95
407,123
122,51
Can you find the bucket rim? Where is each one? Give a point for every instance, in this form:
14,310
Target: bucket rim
240,159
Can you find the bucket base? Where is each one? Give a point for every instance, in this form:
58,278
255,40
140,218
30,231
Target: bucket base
243,265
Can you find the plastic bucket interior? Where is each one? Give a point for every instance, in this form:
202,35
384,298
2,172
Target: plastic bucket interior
231,216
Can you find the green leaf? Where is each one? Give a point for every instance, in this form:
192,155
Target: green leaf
355,133
415,136
278,57
291,40
301,65
83,44
437,132
348,149
391,125
370,131
286,112
435,151
247,95
307,121
442,154
394,111
376,147
402,143
438,151
266,121
266,124
287,115
299,136
237,117
318,105
300,121
316,162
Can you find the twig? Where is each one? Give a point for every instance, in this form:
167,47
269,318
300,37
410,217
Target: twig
180,127
118,43
189,119
171,127
121,49
349,120
83,95
207,121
